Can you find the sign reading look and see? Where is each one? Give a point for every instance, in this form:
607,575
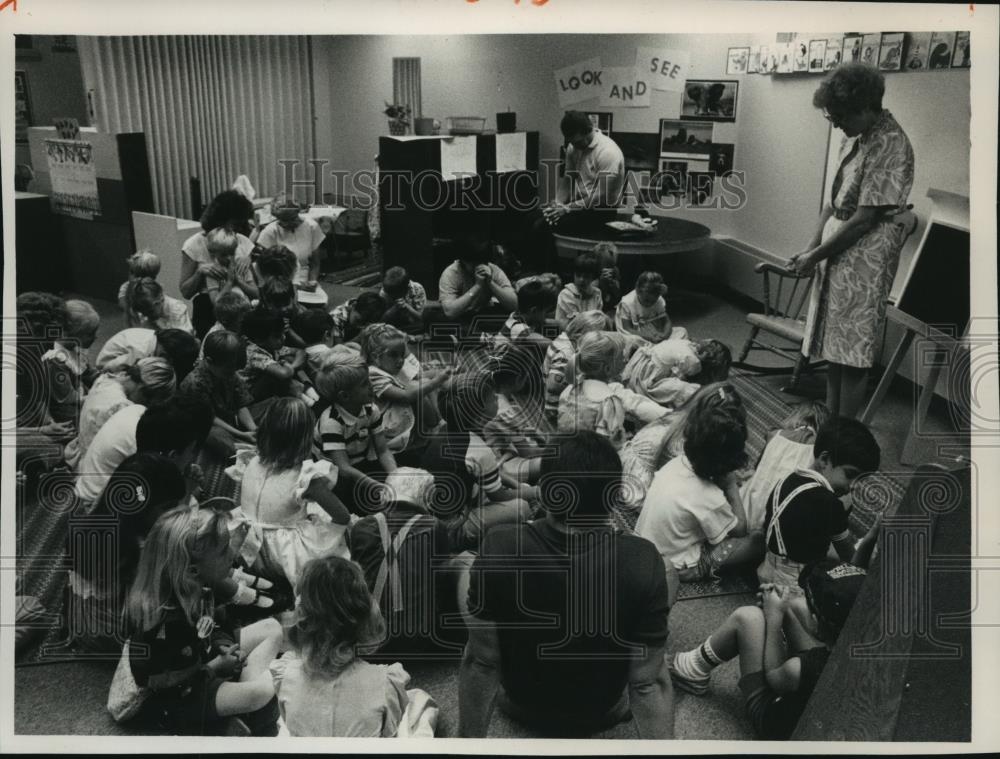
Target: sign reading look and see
623,86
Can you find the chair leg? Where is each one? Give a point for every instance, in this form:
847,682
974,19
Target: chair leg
748,345
800,363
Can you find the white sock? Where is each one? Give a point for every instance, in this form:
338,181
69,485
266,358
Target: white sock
698,662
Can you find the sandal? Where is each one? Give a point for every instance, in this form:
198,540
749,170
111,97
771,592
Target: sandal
247,596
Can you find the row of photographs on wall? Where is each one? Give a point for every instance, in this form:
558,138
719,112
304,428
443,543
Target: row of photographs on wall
889,51
703,101
677,140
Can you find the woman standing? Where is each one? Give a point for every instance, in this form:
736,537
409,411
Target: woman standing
855,250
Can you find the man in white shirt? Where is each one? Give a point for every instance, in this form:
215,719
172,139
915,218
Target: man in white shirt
589,192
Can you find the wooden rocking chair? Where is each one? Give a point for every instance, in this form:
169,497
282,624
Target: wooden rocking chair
785,297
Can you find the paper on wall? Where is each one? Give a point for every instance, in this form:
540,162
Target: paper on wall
512,152
624,87
578,82
663,69
74,178
458,157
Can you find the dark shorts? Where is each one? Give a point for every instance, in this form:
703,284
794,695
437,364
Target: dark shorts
187,709
767,711
562,724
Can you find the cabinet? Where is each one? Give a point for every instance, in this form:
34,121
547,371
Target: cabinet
422,210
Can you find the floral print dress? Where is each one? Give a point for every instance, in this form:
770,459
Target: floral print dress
848,302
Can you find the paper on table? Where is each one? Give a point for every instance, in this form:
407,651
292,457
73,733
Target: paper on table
512,151
458,157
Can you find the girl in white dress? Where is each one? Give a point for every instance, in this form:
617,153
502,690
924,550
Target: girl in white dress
288,513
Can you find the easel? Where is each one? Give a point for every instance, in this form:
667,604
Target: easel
950,210
945,345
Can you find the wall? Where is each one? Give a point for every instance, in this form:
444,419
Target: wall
781,140
55,87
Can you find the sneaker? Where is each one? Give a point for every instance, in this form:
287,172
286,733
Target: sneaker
696,686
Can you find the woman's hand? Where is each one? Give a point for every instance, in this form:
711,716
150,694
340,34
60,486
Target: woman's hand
802,263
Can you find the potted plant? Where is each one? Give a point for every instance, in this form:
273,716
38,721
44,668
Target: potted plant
399,118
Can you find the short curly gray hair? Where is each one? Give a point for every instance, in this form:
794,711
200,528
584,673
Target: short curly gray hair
851,88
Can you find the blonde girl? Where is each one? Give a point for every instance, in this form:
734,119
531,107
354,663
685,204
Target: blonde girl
195,674
597,400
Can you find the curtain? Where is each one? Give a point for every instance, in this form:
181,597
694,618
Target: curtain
211,107
406,84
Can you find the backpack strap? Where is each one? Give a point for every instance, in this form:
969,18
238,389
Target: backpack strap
389,570
778,506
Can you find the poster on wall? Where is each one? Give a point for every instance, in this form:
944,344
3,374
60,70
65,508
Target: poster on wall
963,56
890,56
942,45
817,54
685,136
73,177
639,148
737,60
709,100
753,65
700,186
623,87
22,107
786,51
869,49
800,60
578,82
852,48
663,69
918,48
833,53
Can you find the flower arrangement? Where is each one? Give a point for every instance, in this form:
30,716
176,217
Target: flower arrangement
399,117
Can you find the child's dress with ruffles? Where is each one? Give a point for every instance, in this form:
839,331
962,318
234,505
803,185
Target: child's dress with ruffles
660,372
275,529
362,701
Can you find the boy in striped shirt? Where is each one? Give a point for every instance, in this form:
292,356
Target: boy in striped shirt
350,431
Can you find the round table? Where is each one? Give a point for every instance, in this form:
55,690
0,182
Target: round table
637,251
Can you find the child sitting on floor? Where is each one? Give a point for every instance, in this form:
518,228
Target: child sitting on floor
266,375
671,371
315,327
230,308
230,273
609,282
805,514
125,348
788,448
597,400
513,432
465,468
643,311
195,672
216,378
277,527
524,326
406,300
141,264
559,356
147,306
582,294
350,432
357,313
67,365
693,513
400,396
324,687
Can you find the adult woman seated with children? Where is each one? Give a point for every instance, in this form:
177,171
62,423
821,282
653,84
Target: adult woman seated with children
374,492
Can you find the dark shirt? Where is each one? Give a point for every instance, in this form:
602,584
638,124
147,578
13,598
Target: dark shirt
425,586
226,395
809,523
572,612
